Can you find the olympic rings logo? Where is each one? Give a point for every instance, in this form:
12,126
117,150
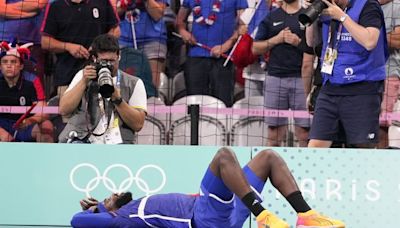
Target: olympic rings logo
110,184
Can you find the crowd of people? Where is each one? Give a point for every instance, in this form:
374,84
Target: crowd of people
103,59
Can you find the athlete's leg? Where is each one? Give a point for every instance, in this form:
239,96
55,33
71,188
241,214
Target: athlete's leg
226,166
215,205
267,164
223,177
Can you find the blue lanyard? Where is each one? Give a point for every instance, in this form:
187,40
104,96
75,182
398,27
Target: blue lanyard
338,35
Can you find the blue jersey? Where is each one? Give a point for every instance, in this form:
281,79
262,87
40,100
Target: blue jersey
354,63
220,31
214,207
163,210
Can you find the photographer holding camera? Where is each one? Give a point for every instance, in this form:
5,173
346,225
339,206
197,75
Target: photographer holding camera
354,53
107,105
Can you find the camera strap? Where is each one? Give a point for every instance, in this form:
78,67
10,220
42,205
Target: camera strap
108,109
332,28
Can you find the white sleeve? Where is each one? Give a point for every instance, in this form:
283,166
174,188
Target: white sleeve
78,76
139,97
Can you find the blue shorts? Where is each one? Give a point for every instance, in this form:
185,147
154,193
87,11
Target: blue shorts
358,114
218,207
23,135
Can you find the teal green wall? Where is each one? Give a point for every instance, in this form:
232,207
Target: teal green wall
35,179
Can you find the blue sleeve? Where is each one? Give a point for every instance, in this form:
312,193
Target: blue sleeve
88,219
263,30
241,4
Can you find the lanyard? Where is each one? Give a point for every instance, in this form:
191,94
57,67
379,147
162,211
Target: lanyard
118,79
332,44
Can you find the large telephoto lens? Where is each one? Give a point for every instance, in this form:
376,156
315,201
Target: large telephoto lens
312,12
105,82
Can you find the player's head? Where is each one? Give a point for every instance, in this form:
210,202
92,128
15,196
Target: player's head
115,201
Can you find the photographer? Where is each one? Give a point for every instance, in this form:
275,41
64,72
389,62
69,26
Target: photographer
107,105
353,60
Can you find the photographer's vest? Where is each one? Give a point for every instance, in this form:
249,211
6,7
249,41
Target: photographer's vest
79,122
354,63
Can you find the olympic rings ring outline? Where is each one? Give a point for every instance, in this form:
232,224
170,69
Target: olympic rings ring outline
125,184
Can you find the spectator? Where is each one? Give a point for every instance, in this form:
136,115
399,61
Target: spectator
20,88
254,74
68,29
353,68
213,25
280,33
150,31
391,11
21,20
96,119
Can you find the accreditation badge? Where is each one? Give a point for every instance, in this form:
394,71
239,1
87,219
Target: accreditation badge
329,60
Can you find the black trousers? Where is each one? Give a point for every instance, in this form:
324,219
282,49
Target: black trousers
208,76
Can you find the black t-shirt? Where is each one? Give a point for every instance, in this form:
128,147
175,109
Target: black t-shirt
285,60
77,23
24,93
371,16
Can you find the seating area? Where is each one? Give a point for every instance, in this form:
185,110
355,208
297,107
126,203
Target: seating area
214,128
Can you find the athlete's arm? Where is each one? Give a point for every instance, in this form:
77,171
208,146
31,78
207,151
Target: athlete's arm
88,219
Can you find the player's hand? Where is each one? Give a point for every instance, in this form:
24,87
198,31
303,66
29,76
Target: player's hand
93,208
187,37
77,50
89,73
88,203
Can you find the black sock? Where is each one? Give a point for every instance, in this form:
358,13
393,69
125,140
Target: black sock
251,202
297,201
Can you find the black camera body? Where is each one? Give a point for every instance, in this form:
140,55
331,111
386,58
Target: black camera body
104,77
312,12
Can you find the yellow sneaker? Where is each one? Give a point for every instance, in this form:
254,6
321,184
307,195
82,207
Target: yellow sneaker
268,220
312,219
